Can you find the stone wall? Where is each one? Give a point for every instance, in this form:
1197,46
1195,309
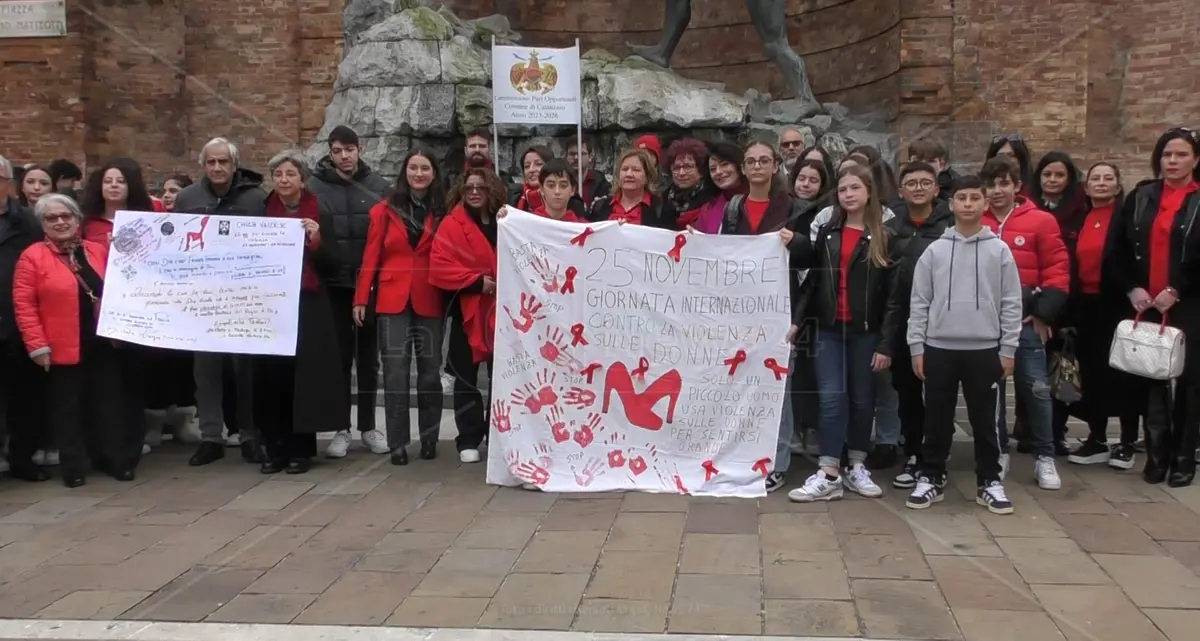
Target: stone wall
1095,77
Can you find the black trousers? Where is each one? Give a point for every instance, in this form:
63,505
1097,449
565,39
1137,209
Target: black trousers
470,414
360,354
91,410
274,409
22,406
403,339
168,378
910,391
229,394
979,373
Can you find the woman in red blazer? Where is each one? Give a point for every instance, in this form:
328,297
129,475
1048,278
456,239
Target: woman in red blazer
56,298
393,287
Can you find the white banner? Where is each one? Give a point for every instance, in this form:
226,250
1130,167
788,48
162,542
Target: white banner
535,86
631,358
203,283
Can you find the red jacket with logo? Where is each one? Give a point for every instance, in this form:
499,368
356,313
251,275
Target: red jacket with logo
1041,256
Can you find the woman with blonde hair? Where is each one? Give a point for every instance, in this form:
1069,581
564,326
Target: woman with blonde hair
848,292
635,195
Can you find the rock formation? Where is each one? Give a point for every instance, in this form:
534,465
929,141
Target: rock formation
412,74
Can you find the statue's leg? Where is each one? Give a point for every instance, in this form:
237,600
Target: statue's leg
678,15
770,21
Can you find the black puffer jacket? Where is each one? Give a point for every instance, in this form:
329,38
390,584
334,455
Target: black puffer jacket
911,240
348,203
18,230
244,198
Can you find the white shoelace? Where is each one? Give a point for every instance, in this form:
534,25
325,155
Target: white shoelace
996,492
924,488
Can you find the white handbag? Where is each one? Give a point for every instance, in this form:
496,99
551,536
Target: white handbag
1149,350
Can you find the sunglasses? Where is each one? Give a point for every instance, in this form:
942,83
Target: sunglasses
1007,138
1185,131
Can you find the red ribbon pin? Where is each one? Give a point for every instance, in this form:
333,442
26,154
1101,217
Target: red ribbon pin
582,237
680,241
590,371
642,368
735,360
776,368
569,286
760,465
710,470
577,335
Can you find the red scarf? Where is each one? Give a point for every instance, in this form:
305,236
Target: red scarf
309,208
530,200
461,256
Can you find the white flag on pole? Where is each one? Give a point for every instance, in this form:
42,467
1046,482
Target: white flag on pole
535,85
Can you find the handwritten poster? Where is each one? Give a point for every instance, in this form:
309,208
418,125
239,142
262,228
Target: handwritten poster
203,283
630,358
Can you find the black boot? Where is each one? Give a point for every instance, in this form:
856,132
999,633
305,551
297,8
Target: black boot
207,452
1183,442
428,450
252,451
1158,435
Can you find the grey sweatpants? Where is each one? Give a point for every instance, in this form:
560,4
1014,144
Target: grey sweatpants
210,393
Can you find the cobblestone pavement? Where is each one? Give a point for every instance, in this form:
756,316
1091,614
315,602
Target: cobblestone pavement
360,542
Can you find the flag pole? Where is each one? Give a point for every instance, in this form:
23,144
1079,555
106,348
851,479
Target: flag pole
579,126
495,126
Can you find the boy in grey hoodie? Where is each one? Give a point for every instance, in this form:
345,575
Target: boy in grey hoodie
963,328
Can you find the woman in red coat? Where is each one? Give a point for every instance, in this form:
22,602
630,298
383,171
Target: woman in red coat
463,264
393,287
56,298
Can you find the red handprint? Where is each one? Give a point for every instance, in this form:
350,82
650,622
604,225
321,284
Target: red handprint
591,470
637,465
558,427
554,347
587,432
537,395
579,397
500,417
532,473
531,311
616,458
547,274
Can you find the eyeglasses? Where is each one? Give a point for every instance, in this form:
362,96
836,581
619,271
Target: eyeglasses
758,162
1007,138
679,169
476,189
54,218
788,144
918,184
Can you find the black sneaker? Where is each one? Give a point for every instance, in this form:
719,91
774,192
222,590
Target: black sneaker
882,457
1090,453
925,493
1061,448
207,452
907,478
993,497
775,481
1122,457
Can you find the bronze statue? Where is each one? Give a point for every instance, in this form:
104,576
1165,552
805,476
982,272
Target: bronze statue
770,21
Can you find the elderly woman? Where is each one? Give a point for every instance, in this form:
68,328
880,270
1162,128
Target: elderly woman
56,299
297,396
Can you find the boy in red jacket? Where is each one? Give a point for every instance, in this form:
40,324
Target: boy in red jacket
1043,264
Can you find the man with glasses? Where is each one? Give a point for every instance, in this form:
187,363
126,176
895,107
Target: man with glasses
920,219
20,378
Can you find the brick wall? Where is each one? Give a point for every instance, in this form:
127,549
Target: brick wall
156,78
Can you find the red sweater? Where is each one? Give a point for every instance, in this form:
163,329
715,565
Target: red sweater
46,300
310,209
99,230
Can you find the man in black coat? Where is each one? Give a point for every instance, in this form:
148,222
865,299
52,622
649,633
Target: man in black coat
21,414
347,189
226,189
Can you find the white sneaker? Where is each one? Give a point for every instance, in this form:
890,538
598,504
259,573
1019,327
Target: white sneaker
4,467
338,445
1046,473
447,383
145,449
156,420
775,481
469,456
817,488
233,440
529,486
797,445
184,426
375,441
51,458
858,480
1005,461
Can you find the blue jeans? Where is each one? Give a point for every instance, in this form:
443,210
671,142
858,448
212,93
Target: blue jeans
787,421
1031,375
847,387
887,410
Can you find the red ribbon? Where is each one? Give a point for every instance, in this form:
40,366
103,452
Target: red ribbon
776,368
760,465
680,241
735,360
590,371
642,368
582,237
710,470
577,335
569,286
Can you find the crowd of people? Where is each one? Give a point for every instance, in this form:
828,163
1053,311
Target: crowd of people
908,285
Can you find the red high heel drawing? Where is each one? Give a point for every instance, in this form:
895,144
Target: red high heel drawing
639,407
197,236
